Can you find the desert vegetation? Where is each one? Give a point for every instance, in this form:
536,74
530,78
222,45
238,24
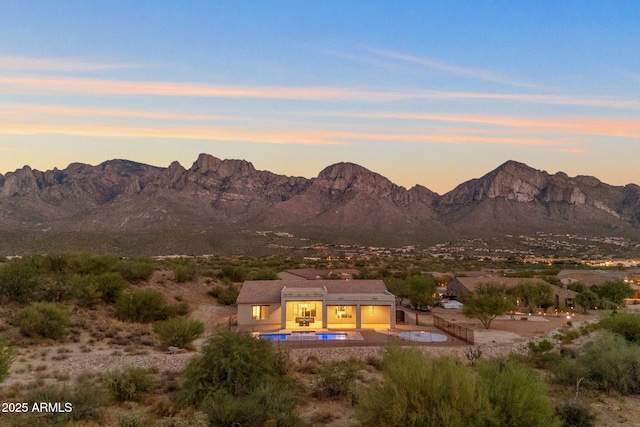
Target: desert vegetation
103,306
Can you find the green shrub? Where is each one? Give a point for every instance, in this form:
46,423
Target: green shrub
575,414
131,419
199,419
237,379
135,270
517,394
184,273
141,306
19,280
608,364
180,309
6,357
178,331
129,383
625,324
44,320
336,380
541,347
419,390
226,295
85,289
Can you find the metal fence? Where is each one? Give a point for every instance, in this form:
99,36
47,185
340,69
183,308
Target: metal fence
458,331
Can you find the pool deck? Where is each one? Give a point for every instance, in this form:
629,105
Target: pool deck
366,337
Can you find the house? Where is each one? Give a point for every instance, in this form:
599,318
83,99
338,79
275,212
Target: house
591,277
305,304
315,274
563,298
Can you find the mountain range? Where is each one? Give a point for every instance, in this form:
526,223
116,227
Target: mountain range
220,200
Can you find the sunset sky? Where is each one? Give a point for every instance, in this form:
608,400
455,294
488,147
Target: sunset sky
422,92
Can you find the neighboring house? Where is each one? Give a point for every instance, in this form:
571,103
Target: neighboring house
591,277
304,304
563,298
315,274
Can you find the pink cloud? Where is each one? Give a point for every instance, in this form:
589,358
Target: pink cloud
47,85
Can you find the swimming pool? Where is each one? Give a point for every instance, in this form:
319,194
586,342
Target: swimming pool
423,336
304,336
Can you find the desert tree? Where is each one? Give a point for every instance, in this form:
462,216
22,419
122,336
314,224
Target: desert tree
487,302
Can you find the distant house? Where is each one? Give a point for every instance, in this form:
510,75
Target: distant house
315,274
591,277
304,304
457,287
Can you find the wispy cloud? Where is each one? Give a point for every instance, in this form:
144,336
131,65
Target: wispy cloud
577,126
475,73
30,109
17,63
50,85
305,137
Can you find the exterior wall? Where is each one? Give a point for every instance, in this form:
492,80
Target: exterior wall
456,288
245,312
375,314
333,317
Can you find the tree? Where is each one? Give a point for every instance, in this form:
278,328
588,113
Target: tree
614,291
586,299
399,288
489,301
533,294
422,289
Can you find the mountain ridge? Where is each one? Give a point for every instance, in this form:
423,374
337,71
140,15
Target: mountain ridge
343,199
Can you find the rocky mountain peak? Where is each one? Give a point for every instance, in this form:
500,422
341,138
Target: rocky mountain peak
223,168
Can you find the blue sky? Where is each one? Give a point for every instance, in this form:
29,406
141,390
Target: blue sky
430,93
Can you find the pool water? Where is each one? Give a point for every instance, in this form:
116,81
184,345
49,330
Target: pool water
304,336
423,336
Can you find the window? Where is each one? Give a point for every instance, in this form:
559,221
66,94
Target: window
305,309
344,312
260,312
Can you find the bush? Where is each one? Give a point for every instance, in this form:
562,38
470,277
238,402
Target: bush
608,364
6,357
44,320
19,280
178,331
141,306
131,419
135,270
184,273
625,324
199,419
226,295
574,414
129,383
419,390
237,379
517,394
336,380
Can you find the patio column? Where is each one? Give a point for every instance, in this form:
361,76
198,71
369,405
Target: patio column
283,313
358,317
324,315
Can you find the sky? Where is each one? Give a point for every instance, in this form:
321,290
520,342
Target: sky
423,92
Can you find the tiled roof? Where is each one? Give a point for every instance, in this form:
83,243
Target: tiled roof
268,291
